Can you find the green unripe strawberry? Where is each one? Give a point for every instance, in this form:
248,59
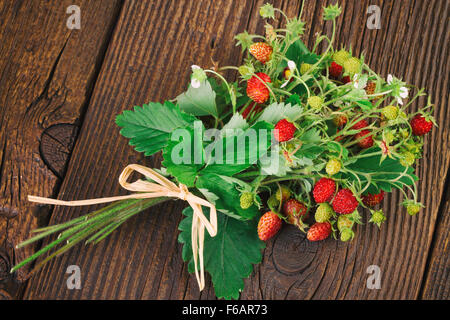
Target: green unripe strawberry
413,208
390,112
246,200
408,159
341,56
315,102
323,213
344,222
333,166
389,137
404,133
304,68
246,71
347,234
352,66
377,217
273,203
284,194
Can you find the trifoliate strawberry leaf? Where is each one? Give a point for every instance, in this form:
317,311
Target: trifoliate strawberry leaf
229,256
199,101
237,121
277,111
299,53
311,136
383,176
184,155
148,127
232,154
228,202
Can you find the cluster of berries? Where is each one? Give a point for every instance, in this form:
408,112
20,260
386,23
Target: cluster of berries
335,206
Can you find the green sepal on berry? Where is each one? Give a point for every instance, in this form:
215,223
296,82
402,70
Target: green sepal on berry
412,207
331,12
244,40
377,217
267,11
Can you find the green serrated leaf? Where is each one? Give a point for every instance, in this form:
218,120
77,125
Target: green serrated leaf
277,111
184,154
228,202
229,256
311,136
234,153
199,101
148,127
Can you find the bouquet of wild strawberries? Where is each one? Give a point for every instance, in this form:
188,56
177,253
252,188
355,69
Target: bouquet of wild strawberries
303,137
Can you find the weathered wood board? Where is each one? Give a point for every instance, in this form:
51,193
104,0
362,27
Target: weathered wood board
148,58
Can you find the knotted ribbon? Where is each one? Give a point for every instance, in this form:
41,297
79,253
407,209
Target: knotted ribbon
161,187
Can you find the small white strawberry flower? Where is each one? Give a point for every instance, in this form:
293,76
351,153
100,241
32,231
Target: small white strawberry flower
359,81
198,76
356,81
291,65
390,78
195,83
399,91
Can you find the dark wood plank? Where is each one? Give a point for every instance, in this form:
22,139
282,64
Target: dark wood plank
149,60
46,76
296,269
154,45
437,278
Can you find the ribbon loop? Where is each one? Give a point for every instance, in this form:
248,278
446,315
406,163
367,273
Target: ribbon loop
160,187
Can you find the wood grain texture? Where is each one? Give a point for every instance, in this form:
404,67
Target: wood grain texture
296,269
46,75
149,59
150,55
437,283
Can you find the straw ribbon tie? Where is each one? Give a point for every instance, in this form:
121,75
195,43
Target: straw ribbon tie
160,187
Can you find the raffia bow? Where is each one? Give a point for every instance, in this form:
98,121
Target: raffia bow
161,187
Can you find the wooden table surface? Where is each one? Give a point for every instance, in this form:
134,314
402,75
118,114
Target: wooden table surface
61,89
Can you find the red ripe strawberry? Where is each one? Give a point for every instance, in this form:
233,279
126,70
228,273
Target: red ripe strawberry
335,70
370,87
319,231
371,200
284,130
293,210
346,79
360,125
268,225
252,107
420,125
366,142
256,89
344,202
324,190
340,120
261,51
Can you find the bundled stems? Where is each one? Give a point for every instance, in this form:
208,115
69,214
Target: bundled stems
94,227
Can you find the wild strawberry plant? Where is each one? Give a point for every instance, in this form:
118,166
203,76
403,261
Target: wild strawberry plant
341,139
